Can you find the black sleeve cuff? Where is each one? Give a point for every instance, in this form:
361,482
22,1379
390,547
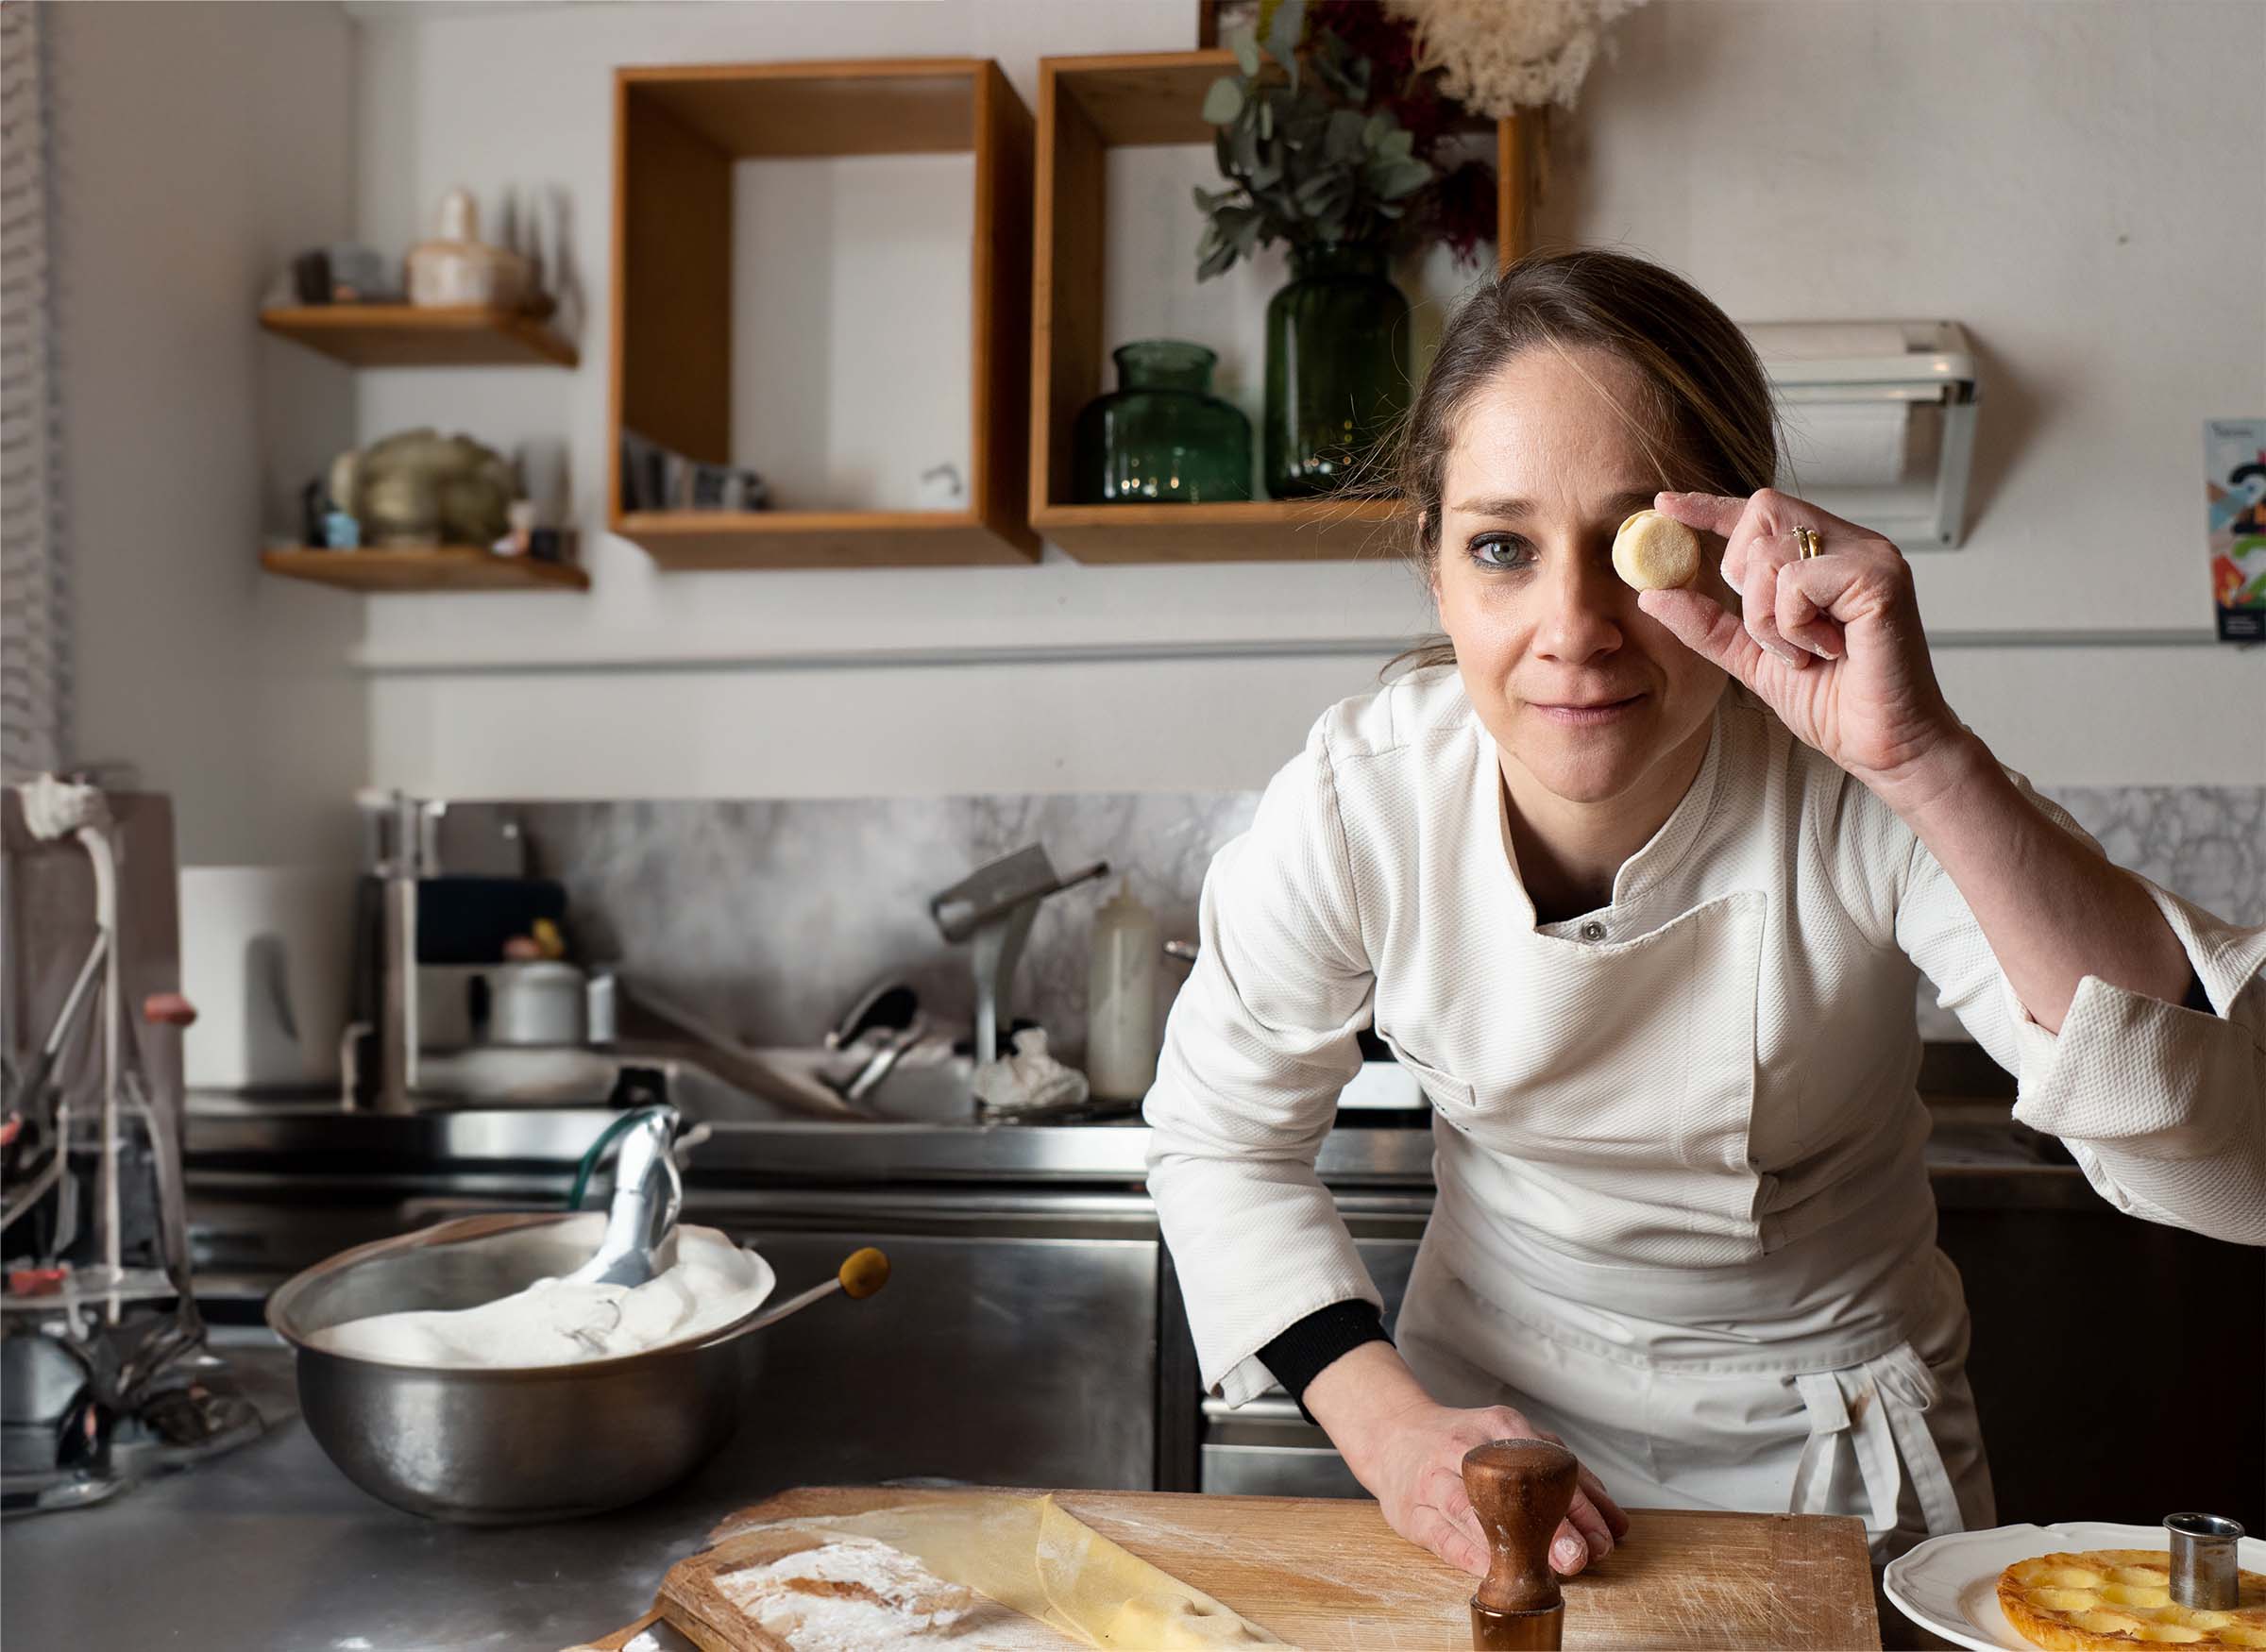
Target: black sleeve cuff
2197,1000
1300,1354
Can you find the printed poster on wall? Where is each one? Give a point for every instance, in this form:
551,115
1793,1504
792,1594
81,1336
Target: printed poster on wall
2235,483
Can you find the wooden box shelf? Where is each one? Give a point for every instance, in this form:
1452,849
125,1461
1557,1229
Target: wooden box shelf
408,336
442,567
1086,107
678,132
1238,531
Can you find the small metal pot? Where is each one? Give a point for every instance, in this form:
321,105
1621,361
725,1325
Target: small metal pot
545,1001
502,1447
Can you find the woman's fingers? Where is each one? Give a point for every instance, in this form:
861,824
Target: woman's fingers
1758,598
1716,514
1616,1523
1739,523
1446,1494
1571,1550
1459,1548
1590,1533
1806,595
1709,629
1597,1516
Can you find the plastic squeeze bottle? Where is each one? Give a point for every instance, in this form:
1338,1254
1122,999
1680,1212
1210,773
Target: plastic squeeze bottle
1121,998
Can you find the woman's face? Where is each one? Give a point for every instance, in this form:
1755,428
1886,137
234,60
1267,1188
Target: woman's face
1576,682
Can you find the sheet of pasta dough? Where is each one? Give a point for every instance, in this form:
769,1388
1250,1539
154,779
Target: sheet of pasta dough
1031,1555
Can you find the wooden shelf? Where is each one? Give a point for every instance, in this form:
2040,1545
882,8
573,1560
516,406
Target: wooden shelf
409,335
1257,530
1086,107
441,567
816,539
677,134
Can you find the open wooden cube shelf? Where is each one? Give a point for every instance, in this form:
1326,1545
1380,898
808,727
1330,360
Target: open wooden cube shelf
678,132
1086,107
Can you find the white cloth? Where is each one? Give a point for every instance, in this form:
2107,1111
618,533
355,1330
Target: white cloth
1682,1204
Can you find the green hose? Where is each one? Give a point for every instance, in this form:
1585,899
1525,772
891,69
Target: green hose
590,1158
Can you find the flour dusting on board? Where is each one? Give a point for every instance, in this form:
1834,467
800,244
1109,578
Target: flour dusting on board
846,1596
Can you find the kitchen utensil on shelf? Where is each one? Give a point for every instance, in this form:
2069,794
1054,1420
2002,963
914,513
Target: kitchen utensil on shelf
649,1191
504,1446
1520,1490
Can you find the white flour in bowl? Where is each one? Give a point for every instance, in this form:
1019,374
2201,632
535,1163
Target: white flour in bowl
551,1323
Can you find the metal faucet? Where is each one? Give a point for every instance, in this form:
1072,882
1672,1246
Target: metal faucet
993,909
640,1241
398,1041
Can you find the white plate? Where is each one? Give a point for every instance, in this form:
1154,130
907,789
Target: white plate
1950,1584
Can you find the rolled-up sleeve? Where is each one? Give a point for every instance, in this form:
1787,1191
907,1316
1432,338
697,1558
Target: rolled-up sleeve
2162,1106
1260,1041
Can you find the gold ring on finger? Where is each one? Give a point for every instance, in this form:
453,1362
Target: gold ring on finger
1805,541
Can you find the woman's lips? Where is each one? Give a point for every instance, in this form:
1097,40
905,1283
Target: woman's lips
1588,713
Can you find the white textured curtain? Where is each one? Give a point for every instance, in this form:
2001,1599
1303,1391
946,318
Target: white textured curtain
35,635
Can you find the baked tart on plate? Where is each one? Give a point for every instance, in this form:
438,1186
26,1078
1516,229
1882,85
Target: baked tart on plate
2110,1600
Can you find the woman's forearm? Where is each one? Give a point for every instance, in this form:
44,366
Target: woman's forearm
2053,909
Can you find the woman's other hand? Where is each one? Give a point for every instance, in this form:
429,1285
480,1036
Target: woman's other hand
1831,643
1409,1452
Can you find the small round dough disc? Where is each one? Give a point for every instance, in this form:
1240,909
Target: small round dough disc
1653,552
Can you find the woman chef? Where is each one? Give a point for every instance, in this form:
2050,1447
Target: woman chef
1639,888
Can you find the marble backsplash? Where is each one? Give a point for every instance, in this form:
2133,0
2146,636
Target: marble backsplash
770,917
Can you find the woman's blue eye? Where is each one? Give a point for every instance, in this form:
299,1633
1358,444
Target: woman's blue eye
1500,550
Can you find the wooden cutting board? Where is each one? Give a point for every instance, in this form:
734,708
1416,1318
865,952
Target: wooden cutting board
1328,1573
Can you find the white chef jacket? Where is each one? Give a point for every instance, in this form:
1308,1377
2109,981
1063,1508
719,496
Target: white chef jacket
1684,1217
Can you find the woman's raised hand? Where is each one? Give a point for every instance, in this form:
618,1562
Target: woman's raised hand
1412,1463
1831,643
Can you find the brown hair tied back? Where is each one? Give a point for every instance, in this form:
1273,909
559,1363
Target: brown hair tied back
1705,393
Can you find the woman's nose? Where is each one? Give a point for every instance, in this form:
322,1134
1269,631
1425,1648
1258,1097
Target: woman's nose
1581,598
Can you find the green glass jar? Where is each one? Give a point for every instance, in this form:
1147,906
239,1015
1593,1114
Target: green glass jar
1337,369
1161,437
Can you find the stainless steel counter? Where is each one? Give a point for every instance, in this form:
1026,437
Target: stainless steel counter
1976,1153
272,1549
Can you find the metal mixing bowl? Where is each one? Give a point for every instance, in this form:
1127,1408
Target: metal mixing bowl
502,1447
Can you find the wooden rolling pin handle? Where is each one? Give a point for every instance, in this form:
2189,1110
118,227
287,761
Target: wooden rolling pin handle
1520,1490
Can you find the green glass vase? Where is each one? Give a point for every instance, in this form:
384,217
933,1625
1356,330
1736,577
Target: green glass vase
1337,369
1161,437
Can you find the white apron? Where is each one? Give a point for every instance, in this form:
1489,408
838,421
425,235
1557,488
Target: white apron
1848,1396
1821,1372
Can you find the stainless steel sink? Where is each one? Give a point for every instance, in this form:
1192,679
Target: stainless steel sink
928,1085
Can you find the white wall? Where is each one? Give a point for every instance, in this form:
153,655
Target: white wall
199,146
837,264
2064,178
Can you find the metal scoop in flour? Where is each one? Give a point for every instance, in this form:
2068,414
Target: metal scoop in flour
649,1190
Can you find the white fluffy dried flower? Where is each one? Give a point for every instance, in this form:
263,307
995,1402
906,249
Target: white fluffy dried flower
1498,56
